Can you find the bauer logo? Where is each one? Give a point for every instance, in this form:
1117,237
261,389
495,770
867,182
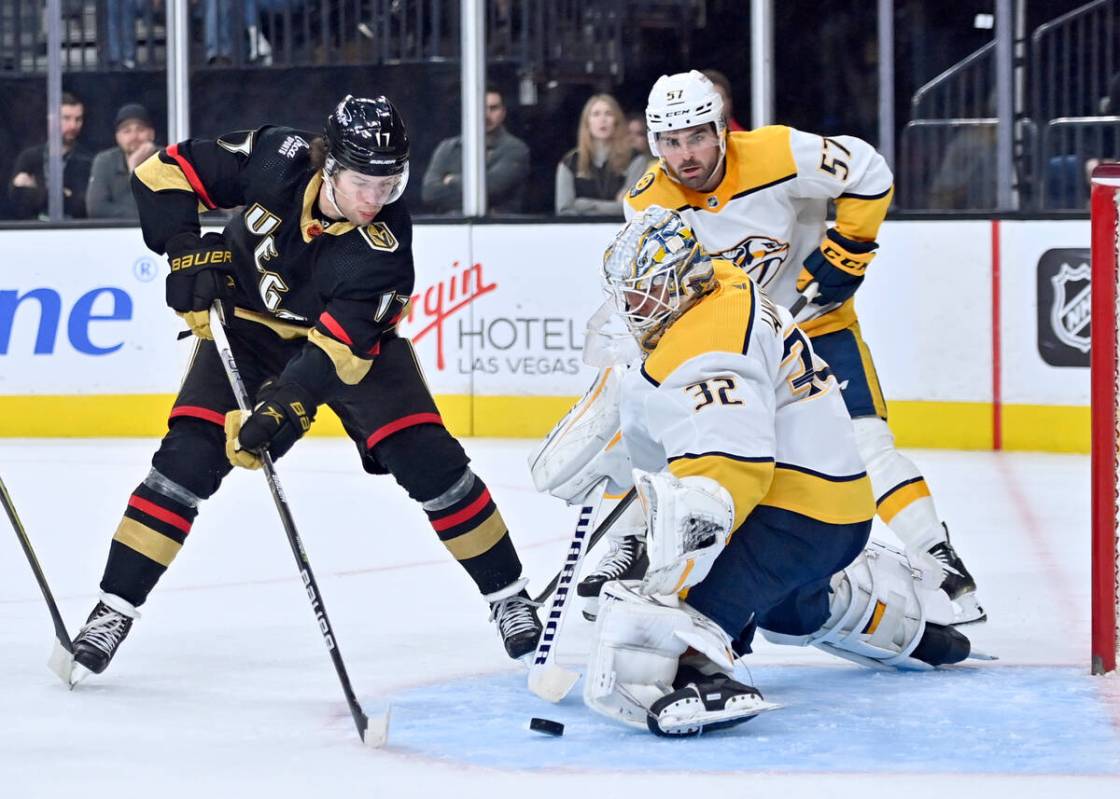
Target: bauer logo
1063,307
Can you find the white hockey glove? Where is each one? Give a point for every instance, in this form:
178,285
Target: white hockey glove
636,647
585,446
689,521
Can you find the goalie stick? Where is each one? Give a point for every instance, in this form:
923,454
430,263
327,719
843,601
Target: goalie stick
375,734
61,661
547,679
600,531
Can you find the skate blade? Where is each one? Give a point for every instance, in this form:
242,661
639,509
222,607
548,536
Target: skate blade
551,682
967,610
62,664
377,730
976,655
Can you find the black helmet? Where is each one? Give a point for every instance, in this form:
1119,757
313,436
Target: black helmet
367,136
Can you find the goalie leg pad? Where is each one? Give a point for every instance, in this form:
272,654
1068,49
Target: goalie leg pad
879,613
636,649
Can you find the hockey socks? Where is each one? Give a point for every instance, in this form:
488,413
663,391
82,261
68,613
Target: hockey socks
468,523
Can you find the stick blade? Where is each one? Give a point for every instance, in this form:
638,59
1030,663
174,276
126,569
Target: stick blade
61,662
376,734
551,682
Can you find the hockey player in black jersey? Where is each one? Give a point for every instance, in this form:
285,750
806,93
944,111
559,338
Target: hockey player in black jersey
314,270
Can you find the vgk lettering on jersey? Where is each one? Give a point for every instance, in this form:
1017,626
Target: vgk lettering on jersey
259,221
761,257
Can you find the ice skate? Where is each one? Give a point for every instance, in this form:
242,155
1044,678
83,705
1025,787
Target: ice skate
626,560
100,637
706,704
516,616
958,583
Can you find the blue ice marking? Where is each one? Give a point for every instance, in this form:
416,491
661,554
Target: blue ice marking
1003,719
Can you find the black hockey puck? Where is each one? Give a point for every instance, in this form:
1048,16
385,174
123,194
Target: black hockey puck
546,726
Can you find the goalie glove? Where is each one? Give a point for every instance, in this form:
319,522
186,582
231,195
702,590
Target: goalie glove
689,521
284,412
838,267
201,272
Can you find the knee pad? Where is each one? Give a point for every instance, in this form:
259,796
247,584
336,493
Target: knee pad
191,456
878,613
425,460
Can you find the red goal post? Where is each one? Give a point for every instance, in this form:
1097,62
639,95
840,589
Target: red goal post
1105,396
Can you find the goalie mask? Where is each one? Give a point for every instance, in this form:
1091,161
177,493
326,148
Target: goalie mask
654,271
367,136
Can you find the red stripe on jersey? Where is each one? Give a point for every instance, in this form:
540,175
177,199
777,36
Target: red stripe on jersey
336,330
192,176
463,515
163,514
385,431
205,414
375,350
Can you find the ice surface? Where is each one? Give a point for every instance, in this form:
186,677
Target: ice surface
224,687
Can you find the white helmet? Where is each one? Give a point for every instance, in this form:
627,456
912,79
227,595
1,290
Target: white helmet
682,101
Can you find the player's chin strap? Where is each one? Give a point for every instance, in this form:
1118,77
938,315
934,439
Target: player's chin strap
328,183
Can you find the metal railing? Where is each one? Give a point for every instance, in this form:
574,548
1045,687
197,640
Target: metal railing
1073,59
1069,147
964,91
558,39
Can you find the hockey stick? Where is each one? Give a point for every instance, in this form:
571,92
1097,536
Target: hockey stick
603,528
804,298
548,680
61,661
377,734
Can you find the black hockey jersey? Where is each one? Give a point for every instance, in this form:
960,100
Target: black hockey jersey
293,266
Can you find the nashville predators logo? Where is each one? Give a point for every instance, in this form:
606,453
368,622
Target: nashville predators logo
761,257
378,236
644,182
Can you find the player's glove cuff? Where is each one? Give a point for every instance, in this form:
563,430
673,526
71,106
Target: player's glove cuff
838,267
284,412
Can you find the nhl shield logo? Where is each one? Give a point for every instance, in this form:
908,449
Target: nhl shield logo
1070,308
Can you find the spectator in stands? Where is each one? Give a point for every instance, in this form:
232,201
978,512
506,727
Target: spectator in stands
594,175
507,166
109,195
28,189
636,132
723,86
120,32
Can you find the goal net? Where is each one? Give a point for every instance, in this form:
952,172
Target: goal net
1105,393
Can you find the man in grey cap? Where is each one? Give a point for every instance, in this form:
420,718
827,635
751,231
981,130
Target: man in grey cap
109,195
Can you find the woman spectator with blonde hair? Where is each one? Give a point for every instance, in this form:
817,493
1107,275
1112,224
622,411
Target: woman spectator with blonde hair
592,178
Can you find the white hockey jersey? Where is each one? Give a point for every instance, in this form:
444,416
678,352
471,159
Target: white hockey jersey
768,213
733,391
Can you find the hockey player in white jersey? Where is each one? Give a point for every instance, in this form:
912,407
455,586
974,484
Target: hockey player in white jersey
753,494
760,198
